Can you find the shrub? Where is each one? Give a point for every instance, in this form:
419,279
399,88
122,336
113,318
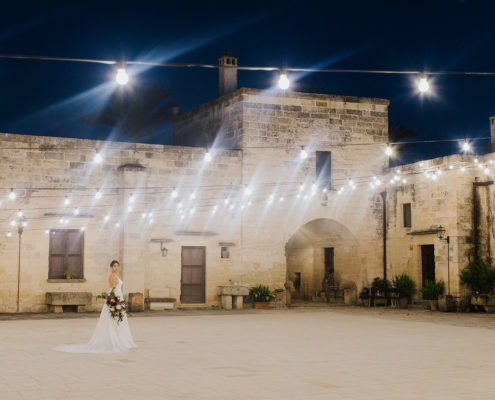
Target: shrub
432,289
479,276
365,293
404,284
260,293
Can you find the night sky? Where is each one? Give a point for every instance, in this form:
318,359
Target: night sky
48,98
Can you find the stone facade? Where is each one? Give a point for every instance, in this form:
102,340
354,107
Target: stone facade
278,231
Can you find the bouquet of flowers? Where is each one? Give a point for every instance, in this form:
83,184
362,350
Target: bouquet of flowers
116,305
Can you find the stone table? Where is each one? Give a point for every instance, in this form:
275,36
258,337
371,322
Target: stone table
232,295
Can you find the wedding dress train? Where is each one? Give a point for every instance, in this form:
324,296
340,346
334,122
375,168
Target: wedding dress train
108,336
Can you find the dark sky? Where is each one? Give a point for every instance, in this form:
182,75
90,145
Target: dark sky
49,98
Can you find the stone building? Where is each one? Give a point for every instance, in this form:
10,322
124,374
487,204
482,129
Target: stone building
286,197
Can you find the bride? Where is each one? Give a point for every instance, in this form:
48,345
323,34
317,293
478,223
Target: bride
108,337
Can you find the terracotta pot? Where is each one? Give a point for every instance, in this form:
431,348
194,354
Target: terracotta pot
403,302
261,305
434,305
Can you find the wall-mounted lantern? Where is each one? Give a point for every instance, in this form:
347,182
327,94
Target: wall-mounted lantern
162,242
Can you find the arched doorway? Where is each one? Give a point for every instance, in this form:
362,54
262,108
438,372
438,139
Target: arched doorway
317,248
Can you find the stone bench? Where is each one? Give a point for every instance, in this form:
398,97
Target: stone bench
159,300
56,300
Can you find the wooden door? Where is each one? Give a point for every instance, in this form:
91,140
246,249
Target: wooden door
193,275
66,253
428,262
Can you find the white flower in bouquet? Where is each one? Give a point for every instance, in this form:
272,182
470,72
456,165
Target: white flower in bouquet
113,308
119,307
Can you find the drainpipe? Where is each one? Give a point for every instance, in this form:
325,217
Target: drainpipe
384,201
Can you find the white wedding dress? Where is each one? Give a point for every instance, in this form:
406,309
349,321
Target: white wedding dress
108,337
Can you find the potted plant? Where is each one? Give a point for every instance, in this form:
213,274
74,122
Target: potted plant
431,290
479,276
261,296
406,287
68,275
364,295
381,285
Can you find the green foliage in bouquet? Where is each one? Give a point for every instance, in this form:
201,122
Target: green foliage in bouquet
260,294
116,306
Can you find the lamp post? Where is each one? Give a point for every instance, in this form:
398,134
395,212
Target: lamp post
21,224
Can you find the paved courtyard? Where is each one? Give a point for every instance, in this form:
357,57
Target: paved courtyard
276,354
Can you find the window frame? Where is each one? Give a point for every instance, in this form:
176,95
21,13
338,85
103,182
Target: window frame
66,253
407,216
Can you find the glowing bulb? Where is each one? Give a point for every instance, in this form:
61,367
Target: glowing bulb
98,158
249,203
388,151
281,199
476,161
61,220
9,234
451,166
214,209
466,146
303,154
423,85
66,201
174,193
131,199
12,194
207,156
83,229
107,217
66,221
247,191
129,208
193,196
179,205
143,215
76,211
487,171
283,81
463,169
117,225
121,77
226,201
314,187
13,223
98,195
19,214
47,231
24,224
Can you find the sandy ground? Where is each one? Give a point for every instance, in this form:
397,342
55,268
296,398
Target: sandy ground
334,353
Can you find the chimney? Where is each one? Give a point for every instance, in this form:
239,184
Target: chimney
492,134
227,74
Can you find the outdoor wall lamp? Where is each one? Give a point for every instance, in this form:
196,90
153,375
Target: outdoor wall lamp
162,242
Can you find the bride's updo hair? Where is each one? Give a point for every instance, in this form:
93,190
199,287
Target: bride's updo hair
114,262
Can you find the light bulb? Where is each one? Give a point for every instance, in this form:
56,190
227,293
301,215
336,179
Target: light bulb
207,156
131,199
66,201
389,151
423,85
466,146
144,215
76,211
107,217
9,234
19,214
98,158
117,224
83,229
283,81
122,77
98,195
174,193
47,231
303,154
12,195
247,191
193,196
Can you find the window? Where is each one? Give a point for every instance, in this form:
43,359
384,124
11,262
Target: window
224,252
329,265
406,208
324,168
66,254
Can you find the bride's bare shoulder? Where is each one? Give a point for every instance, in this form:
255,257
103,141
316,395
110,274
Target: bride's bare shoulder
113,280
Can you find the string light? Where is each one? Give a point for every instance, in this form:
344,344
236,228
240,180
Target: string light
12,195
303,154
131,198
174,193
98,158
121,76
423,85
389,151
98,195
283,81
47,231
66,201
76,211
19,213
466,147
207,156
9,234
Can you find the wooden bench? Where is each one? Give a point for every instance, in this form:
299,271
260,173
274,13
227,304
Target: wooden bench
57,300
387,297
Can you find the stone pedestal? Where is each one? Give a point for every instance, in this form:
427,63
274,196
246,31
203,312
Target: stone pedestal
135,302
238,302
226,302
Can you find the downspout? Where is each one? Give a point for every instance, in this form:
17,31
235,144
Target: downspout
384,203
